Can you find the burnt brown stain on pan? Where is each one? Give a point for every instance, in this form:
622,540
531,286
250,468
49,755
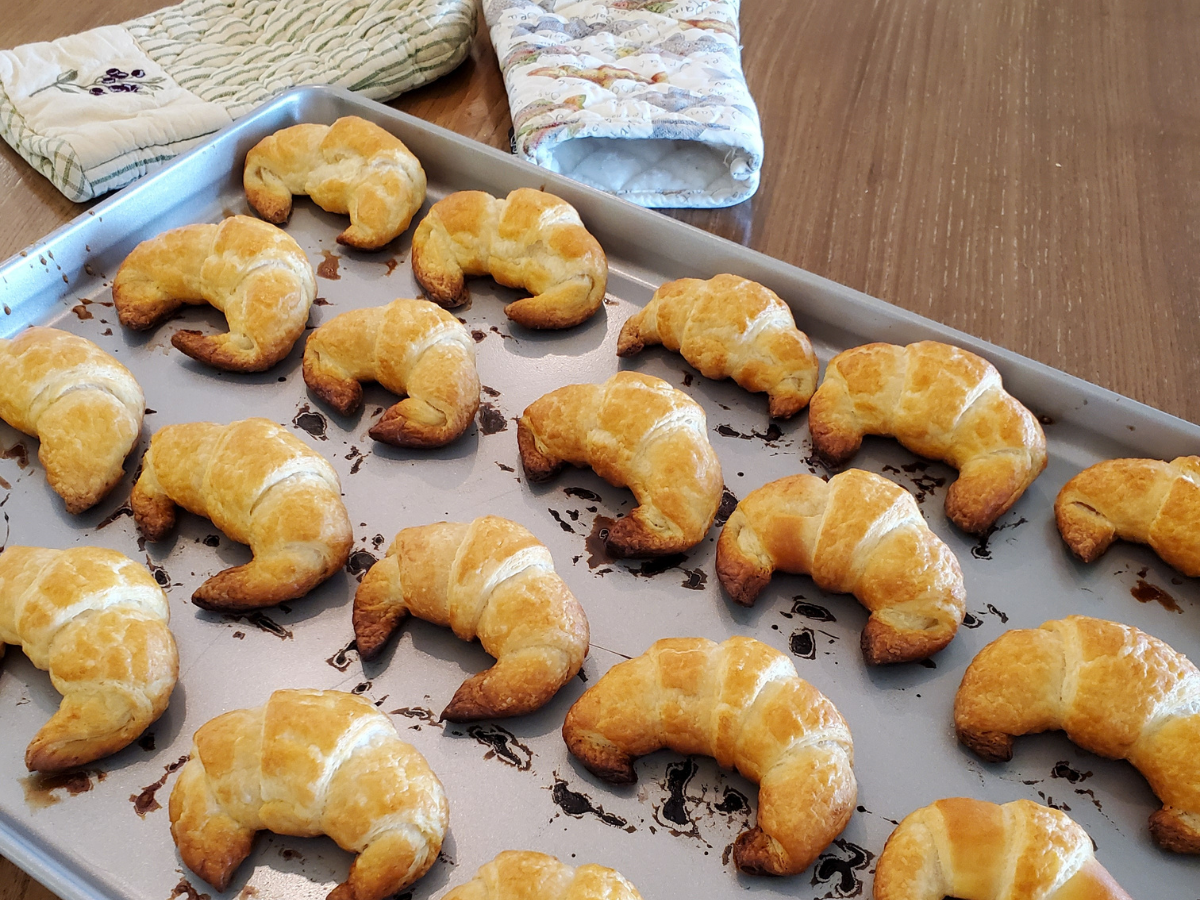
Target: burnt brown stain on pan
1064,769
160,574
729,502
478,335
123,510
329,267
262,622
342,659
583,494
146,802
360,563
565,526
578,805
421,713
320,301
146,742
1145,592
770,436
211,540
694,579
505,468
81,310
358,458
802,607
42,790
490,391
841,868
803,643
982,548
491,420
915,472
8,487
391,265
186,889
503,745
312,422
19,452
378,541
596,543
672,814
969,621
688,378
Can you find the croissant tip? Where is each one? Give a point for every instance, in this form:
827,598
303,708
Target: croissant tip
990,746
1173,835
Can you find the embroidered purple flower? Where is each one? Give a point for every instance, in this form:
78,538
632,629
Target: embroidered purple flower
113,81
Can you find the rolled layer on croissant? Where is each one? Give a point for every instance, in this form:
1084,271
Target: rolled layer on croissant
489,579
412,348
729,327
1116,691
251,271
530,240
741,702
939,401
859,534
352,167
97,621
634,431
526,875
81,404
975,850
1143,500
304,764
262,487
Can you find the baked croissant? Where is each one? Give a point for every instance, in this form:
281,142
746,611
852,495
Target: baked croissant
975,850
741,702
352,166
943,403
858,533
531,240
634,431
526,875
1144,500
488,579
260,486
730,327
410,347
1116,691
304,764
97,621
252,272
81,404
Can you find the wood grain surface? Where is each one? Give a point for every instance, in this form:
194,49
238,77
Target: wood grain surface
1027,171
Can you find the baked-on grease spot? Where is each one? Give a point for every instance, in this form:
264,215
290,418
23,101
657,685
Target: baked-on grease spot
478,335
490,391
146,742
1046,420
361,688
803,643
146,802
123,510
378,541
81,310
969,621
359,458
583,494
212,540
360,563
1052,803
694,579
329,268
729,502
814,611
186,889
343,658
915,472
289,854
320,301
565,526
40,790
239,635
311,421
18,452
657,566
160,574
841,869
674,809
505,468
391,265
1145,592
495,330
981,550
596,543
491,420
688,378
1064,769
578,805
503,745
262,622
420,713
770,436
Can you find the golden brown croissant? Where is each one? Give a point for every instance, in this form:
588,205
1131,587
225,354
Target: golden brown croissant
531,240
350,167
97,621
1144,500
634,431
730,327
1114,690
410,347
260,486
488,579
975,850
943,403
742,703
859,534
304,764
83,405
252,272
526,875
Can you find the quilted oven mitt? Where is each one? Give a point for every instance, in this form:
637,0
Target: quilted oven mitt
95,111
642,98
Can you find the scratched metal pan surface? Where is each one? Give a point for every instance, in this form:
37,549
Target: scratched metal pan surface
103,833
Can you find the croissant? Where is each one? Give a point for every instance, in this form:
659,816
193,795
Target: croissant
352,166
83,405
260,486
488,579
634,431
251,271
526,875
1143,500
97,621
410,347
304,764
530,240
730,327
860,534
975,850
943,403
1116,691
741,702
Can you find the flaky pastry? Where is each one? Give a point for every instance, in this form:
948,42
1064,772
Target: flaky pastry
81,404
97,621
741,702
530,239
526,875
262,487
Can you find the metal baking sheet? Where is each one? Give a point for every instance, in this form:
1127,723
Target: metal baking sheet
103,833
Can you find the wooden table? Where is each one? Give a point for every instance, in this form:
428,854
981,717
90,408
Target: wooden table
1026,171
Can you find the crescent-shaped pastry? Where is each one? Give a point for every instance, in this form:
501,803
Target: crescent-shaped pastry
252,272
1116,691
304,764
262,487
97,622
526,875
351,167
634,431
530,240
939,401
1144,500
856,534
975,850
81,404
730,327
412,348
741,702
488,579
